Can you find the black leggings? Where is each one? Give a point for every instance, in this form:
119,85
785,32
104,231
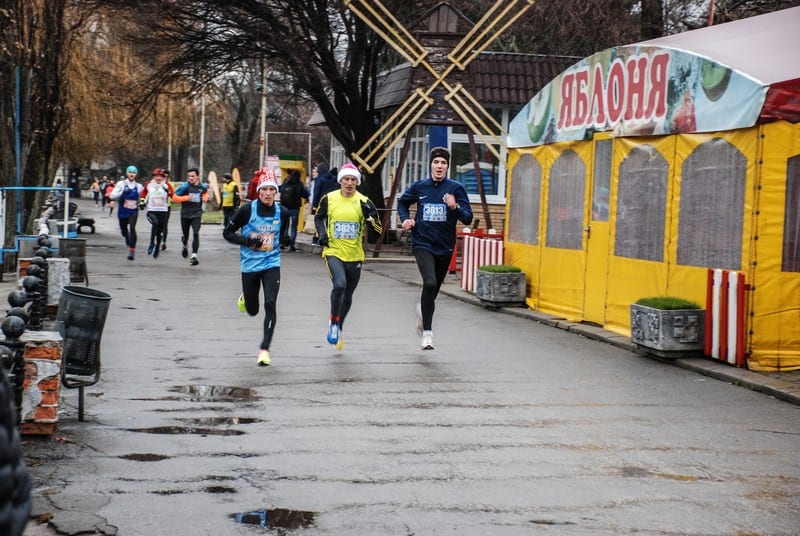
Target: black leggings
127,226
433,269
157,229
345,277
252,283
194,223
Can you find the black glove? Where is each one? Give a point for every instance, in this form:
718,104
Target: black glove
323,241
142,204
253,243
367,210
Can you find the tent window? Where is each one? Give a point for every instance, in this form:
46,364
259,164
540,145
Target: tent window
602,180
641,205
526,192
565,204
712,206
791,222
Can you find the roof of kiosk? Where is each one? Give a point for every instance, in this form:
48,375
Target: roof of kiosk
723,77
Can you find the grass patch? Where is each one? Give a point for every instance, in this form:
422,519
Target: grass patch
500,268
667,303
212,216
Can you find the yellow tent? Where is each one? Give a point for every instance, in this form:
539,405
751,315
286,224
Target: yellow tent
640,167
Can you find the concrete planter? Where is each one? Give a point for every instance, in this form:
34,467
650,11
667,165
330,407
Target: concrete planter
668,333
500,288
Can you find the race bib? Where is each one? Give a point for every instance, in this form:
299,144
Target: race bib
345,229
130,204
434,212
195,197
157,202
267,241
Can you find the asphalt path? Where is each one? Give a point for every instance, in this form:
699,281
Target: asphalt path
508,427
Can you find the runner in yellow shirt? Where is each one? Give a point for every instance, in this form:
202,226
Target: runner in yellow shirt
340,220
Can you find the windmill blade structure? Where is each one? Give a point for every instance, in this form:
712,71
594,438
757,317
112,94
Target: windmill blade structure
495,21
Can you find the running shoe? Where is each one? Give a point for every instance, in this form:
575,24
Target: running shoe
194,261
184,251
333,334
263,358
240,304
419,319
130,255
340,343
427,340
150,249
163,246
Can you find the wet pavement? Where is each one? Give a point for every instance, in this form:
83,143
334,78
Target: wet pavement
510,426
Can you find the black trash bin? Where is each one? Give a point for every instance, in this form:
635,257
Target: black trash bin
81,316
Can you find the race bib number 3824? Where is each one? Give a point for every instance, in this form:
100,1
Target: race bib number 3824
345,229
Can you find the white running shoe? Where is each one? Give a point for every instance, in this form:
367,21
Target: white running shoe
419,319
263,358
427,340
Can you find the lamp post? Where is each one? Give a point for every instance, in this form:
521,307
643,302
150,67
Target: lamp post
202,131
262,134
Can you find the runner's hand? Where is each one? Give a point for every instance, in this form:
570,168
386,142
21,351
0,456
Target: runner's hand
253,243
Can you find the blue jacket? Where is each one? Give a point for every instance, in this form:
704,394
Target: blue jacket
434,224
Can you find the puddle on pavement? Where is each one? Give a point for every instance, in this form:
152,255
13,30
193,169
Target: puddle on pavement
144,457
215,393
219,489
188,430
219,421
631,471
276,518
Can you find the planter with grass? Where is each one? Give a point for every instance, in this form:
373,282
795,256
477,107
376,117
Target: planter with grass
498,285
667,326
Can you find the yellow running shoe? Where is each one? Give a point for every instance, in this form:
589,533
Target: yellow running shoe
263,358
240,304
340,343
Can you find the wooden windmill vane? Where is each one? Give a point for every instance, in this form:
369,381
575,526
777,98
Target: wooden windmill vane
502,15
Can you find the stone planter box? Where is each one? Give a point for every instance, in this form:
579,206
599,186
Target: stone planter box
668,333
500,288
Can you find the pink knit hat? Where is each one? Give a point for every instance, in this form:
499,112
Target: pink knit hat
348,170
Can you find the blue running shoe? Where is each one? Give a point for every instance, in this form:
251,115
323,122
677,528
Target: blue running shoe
333,334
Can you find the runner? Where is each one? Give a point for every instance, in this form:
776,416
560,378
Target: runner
441,203
127,192
156,194
339,221
191,195
256,228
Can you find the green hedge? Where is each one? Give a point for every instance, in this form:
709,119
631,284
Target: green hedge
499,268
667,303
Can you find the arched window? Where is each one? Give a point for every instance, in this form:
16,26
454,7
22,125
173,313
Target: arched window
712,206
791,215
565,205
526,192
641,205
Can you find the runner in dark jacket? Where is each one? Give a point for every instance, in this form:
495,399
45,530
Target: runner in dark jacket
441,204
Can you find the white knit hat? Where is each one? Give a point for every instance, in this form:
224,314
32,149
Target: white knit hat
267,180
349,170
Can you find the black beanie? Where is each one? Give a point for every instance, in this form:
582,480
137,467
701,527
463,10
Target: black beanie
441,152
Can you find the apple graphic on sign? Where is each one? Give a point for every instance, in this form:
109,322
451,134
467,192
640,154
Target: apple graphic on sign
714,79
538,114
